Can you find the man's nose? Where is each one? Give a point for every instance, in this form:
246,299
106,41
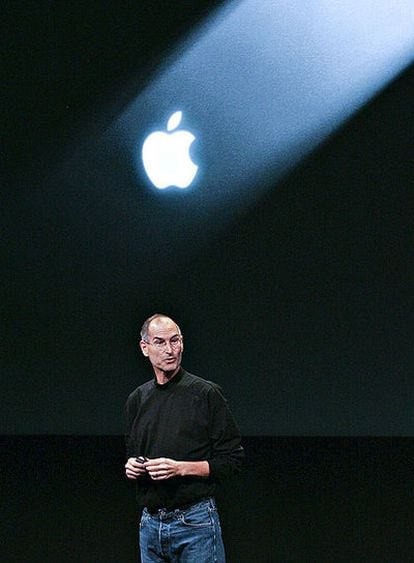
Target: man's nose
168,347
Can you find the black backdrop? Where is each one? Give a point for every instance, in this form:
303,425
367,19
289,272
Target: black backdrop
301,310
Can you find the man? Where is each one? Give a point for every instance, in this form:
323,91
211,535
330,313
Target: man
181,440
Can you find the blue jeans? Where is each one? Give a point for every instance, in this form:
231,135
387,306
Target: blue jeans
192,535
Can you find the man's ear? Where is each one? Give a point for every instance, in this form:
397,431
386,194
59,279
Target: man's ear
144,347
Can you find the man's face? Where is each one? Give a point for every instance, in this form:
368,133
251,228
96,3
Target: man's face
164,347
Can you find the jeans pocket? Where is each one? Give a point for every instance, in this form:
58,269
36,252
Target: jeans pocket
196,519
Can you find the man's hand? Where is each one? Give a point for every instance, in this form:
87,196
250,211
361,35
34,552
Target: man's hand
134,469
165,468
162,468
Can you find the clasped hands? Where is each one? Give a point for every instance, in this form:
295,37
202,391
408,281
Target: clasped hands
158,469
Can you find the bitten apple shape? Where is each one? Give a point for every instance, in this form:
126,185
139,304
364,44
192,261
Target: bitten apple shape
166,156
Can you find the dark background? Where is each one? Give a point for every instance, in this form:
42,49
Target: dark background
301,310
300,499
300,307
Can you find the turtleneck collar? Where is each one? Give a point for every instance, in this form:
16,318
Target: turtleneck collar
172,382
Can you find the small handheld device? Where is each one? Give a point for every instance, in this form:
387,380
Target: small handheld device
141,459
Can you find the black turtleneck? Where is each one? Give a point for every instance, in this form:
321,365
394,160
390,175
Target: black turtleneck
186,419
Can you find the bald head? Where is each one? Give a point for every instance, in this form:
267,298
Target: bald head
157,321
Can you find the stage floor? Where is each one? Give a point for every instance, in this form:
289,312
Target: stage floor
300,499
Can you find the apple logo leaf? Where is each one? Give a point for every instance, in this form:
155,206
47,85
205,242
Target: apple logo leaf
174,120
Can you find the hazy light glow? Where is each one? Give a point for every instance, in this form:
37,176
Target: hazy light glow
264,83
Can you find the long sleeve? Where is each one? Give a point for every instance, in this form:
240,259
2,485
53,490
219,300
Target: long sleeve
227,454
131,408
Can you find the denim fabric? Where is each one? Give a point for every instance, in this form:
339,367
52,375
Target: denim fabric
192,535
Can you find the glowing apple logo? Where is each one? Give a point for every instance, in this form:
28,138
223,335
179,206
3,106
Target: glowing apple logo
166,156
